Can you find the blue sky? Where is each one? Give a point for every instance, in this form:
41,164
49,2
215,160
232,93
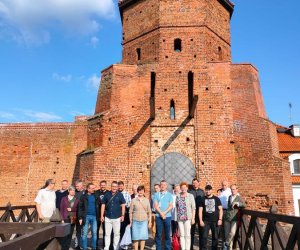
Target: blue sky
50,61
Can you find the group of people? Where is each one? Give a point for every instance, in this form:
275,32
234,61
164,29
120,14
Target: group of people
165,213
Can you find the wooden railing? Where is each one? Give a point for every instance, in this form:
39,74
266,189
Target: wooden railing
19,230
262,230
11,213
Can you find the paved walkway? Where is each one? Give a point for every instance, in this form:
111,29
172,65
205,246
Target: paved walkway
150,243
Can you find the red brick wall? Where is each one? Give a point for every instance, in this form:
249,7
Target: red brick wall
229,137
32,153
263,177
214,125
152,26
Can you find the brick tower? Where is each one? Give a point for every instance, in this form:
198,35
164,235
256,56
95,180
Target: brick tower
177,108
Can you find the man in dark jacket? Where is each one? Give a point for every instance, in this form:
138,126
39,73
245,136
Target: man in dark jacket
198,194
88,214
79,192
61,193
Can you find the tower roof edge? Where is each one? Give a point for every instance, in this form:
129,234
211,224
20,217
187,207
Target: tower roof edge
226,3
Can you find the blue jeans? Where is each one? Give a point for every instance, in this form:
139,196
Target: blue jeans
90,220
160,225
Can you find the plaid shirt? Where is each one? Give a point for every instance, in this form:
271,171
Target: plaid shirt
127,198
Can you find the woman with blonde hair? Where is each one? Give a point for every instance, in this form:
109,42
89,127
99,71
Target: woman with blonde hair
186,208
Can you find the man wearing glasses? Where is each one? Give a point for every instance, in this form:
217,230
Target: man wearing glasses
45,201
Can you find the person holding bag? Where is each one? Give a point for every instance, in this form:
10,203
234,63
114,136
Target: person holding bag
185,208
68,210
140,218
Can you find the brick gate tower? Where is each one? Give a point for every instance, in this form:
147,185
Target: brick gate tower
178,108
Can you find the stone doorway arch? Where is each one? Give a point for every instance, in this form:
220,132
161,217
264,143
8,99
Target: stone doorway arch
174,168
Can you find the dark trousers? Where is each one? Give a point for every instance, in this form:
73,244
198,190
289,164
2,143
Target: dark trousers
98,230
174,226
125,223
193,231
214,235
78,233
66,241
163,225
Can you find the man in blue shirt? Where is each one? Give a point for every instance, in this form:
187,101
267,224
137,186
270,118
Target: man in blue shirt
113,207
163,204
88,213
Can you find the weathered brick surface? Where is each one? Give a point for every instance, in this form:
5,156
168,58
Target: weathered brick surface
263,177
32,153
228,138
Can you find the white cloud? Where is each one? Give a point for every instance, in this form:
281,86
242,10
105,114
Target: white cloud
58,77
6,115
94,41
94,82
31,21
77,113
41,116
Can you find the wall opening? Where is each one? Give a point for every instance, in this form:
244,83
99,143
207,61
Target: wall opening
152,95
220,53
177,45
190,88
153,80
172,110
138,53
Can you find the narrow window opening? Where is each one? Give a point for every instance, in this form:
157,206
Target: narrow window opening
153,80
220,53
190,88
177,45
138,53
172,110
152,95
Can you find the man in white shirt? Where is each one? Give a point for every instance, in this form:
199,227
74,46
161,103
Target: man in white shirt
224,196
45,201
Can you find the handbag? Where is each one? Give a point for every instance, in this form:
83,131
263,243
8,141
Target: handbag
73,219
56,216
175,241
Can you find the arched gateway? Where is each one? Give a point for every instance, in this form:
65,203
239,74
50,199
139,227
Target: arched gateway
174,168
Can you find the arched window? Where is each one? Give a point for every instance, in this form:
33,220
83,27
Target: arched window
172,110
220,53
177,45
190,88
138,53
